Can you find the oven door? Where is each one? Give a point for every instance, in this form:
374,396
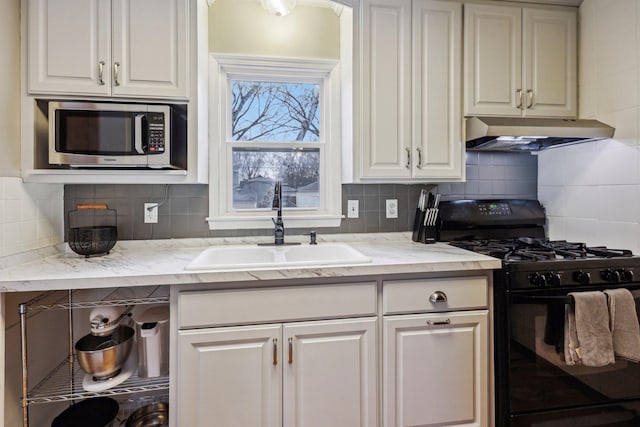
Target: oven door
536,382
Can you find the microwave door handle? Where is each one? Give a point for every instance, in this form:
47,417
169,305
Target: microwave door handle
137,143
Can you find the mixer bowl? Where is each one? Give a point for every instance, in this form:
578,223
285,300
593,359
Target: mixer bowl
103,356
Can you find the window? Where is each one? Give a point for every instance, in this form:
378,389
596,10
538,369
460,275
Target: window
274,120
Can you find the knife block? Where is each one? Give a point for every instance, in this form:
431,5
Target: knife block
423,233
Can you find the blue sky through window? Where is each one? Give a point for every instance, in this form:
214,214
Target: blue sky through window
275,111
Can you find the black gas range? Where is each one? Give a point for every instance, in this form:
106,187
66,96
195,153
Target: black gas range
534,386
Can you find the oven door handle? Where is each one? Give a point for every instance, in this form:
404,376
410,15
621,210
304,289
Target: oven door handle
542,299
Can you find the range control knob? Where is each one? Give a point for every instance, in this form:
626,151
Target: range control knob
626,275
582,277
537,279
610,275
553,279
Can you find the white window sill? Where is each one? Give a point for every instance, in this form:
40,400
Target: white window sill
265,222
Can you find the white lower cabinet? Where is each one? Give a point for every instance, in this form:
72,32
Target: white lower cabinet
314,355
329,376
435,369
305,374
435,357
227,377
311,374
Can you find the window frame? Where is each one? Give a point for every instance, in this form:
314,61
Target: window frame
225,67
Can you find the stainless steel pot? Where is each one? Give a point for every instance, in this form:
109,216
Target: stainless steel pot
153,415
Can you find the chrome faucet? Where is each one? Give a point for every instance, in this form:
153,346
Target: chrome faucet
277,206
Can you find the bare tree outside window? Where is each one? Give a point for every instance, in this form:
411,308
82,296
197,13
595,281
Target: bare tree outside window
274,111
280,113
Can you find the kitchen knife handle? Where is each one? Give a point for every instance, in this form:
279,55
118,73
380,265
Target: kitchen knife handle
519,95
116,68
290,350
419,164
408,165
101,73
275,351
530,96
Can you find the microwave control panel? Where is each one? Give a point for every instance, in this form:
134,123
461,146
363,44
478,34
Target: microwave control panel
156,134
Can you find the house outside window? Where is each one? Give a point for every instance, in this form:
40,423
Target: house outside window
274,120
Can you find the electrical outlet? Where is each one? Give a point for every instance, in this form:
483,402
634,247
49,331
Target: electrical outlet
353,208
392,208
150,213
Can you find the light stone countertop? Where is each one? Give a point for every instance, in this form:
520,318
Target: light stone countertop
162,262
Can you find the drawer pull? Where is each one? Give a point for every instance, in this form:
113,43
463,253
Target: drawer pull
275,351
438,296
438,322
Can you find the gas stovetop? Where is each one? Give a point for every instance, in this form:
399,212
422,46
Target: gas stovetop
527,249
513,231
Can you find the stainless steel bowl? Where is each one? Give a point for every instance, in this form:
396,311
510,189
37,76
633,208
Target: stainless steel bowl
103,356
153,415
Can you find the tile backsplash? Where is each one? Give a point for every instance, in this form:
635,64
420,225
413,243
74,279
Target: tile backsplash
31,215
185,207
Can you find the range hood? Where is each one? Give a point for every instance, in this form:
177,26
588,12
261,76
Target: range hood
530,134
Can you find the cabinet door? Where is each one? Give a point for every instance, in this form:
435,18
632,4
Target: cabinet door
68,46
435,370
493,60
386,51
150,49
437,69
329,376
229,377
549,62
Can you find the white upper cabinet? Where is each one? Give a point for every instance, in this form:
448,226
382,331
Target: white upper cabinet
411,112
520,61
437,105
108,47
69,46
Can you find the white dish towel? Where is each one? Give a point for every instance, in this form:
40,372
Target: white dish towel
623,320
587,336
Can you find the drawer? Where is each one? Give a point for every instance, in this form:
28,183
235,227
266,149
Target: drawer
414,296
246,306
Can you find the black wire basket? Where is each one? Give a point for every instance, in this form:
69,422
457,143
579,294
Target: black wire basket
92,240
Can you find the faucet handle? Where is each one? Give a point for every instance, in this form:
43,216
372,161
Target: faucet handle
276,204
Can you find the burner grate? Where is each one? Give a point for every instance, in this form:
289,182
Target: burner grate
531,249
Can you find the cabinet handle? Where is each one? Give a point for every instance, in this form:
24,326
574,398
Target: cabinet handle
408,165
438,322
438,296
290,350
116,68
275,351
530,97
101,73
519,95
419,164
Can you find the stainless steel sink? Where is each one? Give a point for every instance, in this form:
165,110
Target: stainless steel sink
251,256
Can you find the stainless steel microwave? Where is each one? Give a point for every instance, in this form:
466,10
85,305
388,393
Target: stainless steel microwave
95,134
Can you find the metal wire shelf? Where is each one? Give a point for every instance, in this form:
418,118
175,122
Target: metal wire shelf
64,382
57,387
88,298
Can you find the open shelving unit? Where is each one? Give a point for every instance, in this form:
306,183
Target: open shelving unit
64,382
